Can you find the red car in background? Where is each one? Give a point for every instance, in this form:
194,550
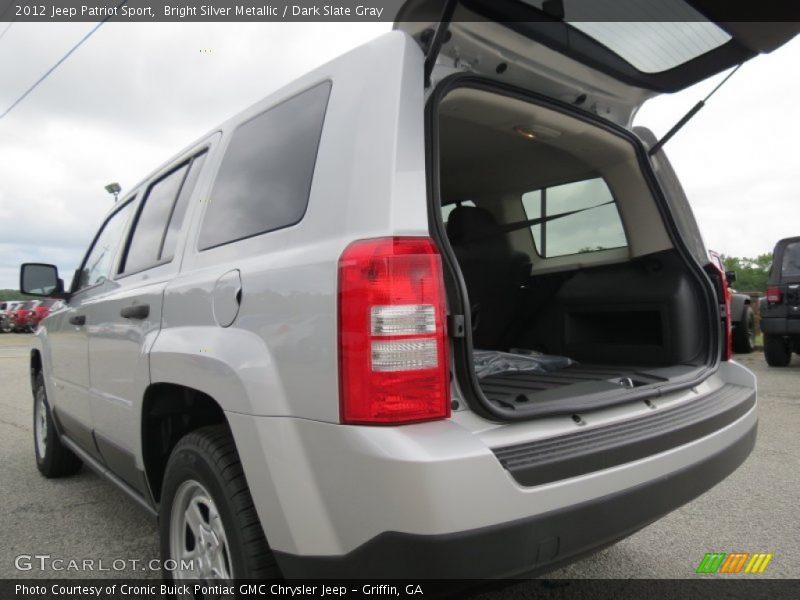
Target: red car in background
40,311
21,317
27,317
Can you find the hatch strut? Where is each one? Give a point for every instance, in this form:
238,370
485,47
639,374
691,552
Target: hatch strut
438,38
679,125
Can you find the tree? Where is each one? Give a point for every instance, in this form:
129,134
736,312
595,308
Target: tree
751,273
12,295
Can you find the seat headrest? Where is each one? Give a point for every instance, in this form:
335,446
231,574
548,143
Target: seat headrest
467,223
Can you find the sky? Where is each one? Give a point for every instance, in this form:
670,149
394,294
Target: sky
135,93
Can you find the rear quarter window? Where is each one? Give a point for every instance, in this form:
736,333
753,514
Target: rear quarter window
265,178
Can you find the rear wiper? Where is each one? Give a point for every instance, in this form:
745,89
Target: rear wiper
687,117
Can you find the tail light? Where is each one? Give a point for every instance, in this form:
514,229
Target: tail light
393,359
774,295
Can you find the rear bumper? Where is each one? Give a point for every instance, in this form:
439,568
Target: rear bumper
434,500
527,546
780,326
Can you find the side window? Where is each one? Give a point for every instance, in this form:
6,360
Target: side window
155,231
578,217
265,178
144,247
448,208
97,266
176,220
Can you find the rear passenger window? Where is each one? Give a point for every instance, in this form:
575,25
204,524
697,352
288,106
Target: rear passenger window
160,217
145,243
578,217
264,181
175,223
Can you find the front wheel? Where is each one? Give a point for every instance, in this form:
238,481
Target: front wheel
744,338
777,351
53,459
208,525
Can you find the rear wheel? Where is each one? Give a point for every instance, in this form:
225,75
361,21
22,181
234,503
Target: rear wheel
53,459
777,351
744,338
208,523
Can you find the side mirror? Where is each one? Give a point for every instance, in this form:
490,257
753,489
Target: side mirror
730,276
37,279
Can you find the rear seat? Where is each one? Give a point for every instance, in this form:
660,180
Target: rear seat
493,272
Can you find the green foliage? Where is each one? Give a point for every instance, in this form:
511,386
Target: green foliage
13,295
751,273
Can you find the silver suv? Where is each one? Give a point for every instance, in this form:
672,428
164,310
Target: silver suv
432,310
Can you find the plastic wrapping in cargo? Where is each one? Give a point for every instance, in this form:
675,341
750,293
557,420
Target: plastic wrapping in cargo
493,362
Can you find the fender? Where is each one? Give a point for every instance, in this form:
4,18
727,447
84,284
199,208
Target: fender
233,366
738,302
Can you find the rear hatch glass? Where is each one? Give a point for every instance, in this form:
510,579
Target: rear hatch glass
626,51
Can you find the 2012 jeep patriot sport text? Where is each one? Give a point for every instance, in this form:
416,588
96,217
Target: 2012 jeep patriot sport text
273,341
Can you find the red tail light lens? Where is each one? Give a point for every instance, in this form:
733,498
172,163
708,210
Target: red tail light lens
774,295
393,359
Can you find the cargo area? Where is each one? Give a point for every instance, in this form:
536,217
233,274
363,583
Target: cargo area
558,250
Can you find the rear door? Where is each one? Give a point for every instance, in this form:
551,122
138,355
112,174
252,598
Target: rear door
608,57
126,319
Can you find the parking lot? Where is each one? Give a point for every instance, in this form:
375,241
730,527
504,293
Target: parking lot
84,517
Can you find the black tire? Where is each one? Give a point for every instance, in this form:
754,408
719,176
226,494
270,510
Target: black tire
208,456
744,338
777,351
53,459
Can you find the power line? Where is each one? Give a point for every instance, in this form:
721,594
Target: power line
61,60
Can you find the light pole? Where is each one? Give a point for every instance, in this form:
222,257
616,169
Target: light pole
114,188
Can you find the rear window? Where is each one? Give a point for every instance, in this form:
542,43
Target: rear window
652,36
790,267
265,178
576,217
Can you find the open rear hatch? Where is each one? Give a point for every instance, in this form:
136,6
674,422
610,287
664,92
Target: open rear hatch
632,309
608,57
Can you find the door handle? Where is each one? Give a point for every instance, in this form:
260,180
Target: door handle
137,311
78,320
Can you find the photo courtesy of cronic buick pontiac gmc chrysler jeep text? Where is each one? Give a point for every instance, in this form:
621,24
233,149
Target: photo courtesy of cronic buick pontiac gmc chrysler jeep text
432,310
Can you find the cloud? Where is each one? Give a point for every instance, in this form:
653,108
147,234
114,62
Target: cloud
128,99
136,93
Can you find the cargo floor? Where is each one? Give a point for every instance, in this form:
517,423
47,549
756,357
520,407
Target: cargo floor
512,389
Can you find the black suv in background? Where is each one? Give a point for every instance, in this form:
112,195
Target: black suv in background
780,311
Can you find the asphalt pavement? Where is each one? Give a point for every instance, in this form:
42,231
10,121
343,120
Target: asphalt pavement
86,518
